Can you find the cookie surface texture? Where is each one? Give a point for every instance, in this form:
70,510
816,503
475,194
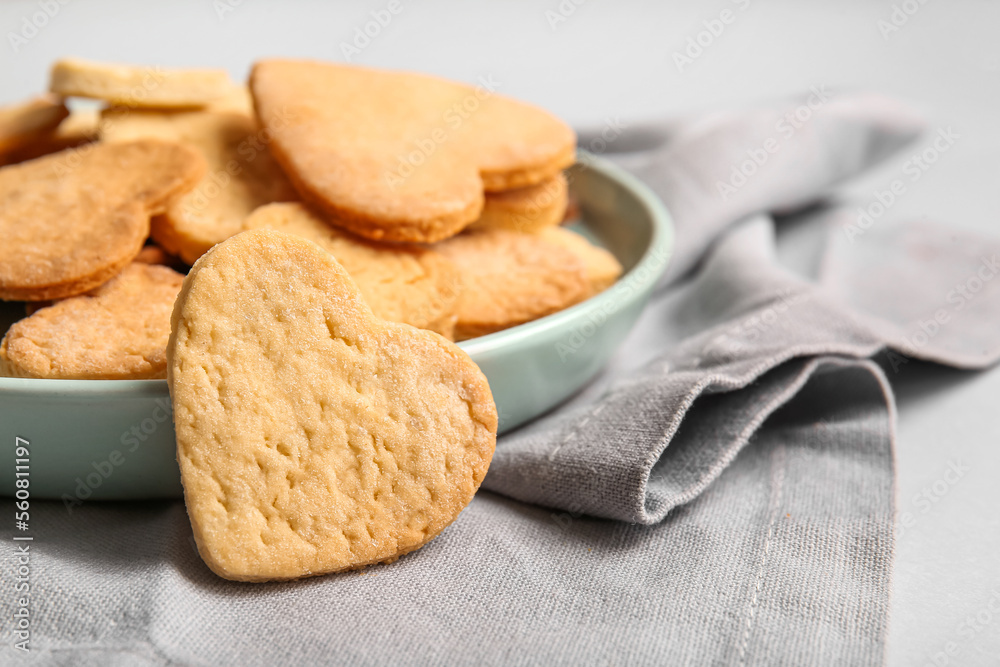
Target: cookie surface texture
72,220
77,129
241,174
399,156
119,331
602,268
401,283
511,278
313,437
21,124
529,209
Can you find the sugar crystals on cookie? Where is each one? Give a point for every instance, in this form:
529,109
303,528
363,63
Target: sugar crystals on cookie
397,156
72,220
312,436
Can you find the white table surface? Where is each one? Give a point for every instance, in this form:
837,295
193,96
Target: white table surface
615,60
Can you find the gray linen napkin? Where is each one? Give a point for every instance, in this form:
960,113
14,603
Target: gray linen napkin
742,439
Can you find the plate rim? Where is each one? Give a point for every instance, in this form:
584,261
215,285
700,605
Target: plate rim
641,277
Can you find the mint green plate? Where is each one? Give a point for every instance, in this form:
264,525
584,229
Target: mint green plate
114,439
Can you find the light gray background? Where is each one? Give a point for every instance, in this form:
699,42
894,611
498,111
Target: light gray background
615,59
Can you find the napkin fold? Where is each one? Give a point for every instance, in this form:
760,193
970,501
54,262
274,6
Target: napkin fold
660,436
722,494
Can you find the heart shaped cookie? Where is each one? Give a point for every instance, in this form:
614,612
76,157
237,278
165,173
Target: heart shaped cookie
242,175
24,123
117,332
511,278
72,220
80,127
602,268
313,437
400,156
400,282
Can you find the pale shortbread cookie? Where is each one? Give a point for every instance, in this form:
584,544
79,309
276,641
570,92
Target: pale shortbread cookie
602,268
81,126
527,209
511,278
139,86
77,129
237,99
118,331
312,436
21,124
242,174
399,156
401,283
72,220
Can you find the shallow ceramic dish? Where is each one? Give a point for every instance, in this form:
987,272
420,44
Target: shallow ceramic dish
114,439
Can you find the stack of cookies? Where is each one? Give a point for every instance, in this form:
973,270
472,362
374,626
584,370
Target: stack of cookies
339,227
442,202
